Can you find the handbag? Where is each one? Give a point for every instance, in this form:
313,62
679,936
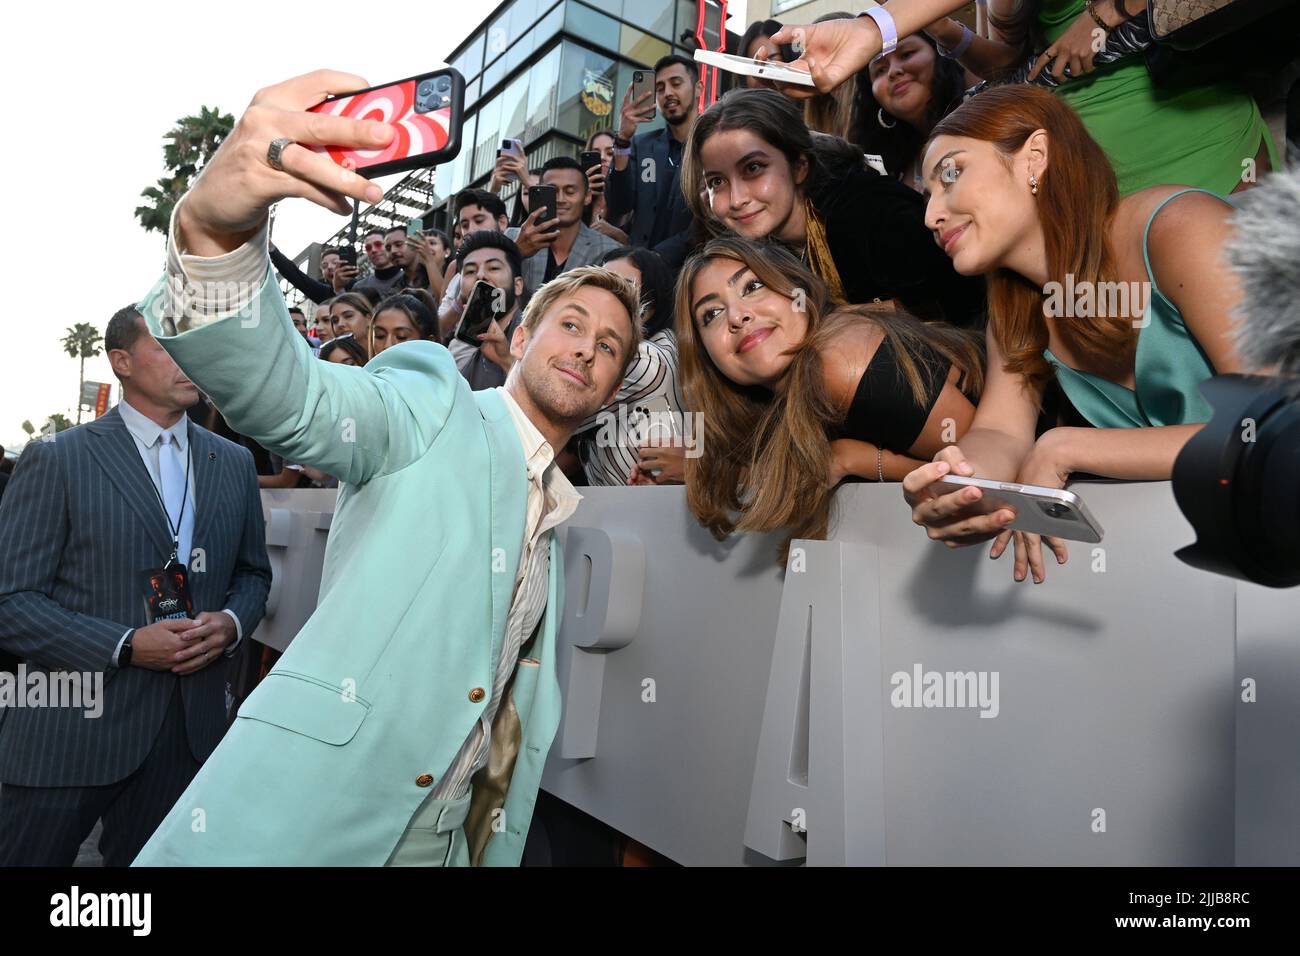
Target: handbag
1188,24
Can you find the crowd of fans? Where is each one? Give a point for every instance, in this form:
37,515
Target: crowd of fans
849,286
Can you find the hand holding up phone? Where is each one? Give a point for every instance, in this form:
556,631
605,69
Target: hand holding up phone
638,107
228,204
534,235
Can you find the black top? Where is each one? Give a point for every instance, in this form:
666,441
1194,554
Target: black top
883,411
875,227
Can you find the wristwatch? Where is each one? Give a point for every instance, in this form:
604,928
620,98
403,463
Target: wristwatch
620,142
124,652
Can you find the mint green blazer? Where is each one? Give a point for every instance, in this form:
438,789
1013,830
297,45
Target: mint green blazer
374,693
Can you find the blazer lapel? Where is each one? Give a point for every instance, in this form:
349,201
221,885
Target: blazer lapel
580,254
116,453
205,483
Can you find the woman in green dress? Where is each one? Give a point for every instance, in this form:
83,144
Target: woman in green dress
1125,302
1209,136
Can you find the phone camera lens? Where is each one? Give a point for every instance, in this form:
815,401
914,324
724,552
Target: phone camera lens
426,88
1055,510
443,84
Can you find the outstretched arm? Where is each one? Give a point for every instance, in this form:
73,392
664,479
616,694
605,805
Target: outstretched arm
224,321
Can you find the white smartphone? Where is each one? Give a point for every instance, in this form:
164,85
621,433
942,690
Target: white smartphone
1050,511
765,69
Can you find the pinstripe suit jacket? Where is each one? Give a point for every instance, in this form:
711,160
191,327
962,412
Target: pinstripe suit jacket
78,522
587,250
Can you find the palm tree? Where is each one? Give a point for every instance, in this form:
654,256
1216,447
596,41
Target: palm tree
188,147
82,341
58,422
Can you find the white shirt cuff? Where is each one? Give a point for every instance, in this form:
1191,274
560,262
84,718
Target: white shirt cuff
239,631
118,650
202,289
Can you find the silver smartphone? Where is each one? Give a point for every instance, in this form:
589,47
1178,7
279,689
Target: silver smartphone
643,82
1039,510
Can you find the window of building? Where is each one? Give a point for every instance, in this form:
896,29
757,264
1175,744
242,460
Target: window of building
514,107
655,16
595,28
543,79
488,138
452,177
588,98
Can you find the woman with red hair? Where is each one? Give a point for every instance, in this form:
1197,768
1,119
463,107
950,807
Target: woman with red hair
1125,302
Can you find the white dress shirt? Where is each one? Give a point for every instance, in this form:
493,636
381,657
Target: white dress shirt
146,433
551,500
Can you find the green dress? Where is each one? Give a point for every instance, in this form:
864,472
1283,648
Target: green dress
1168,369
1185,134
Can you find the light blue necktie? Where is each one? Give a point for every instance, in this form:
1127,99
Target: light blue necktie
174,490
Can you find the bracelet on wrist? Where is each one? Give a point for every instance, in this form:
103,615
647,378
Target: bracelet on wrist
888,30
1096,17
957,52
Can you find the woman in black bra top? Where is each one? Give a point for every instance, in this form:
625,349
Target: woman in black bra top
796,394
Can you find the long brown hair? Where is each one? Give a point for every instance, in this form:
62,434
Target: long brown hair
833,112
766,454
775,119
1077,198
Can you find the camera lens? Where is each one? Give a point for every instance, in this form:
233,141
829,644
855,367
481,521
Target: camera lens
1236,481
1056,510
444,84
425,88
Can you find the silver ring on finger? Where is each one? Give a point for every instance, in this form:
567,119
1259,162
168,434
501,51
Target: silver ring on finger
275,151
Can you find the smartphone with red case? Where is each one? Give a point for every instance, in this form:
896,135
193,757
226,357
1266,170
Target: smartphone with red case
427,110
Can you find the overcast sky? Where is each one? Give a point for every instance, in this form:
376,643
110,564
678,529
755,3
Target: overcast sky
98,85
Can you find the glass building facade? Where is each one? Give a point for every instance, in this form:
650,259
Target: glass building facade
549,73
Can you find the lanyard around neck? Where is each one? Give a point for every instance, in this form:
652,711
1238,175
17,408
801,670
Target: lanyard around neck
175,529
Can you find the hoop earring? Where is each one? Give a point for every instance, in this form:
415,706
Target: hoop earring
880,118
1033,184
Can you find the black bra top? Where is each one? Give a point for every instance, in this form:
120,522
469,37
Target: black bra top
884,411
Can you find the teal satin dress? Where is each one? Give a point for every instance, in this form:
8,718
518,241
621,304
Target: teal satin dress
1169,368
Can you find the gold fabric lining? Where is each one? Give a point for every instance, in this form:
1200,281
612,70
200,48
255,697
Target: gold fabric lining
819,253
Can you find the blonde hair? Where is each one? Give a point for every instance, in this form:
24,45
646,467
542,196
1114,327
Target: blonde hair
567,283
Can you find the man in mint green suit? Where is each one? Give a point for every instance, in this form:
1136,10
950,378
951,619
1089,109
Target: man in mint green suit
409,720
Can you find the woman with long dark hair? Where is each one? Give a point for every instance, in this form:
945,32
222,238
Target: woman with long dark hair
899,99
751,166
409,315
795,392
1181,130
1125,302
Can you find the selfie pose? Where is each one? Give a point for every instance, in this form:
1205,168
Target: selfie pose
751,166
411,728
797,392
1125,302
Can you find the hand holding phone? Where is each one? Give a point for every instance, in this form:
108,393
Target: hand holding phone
479,312
427,108
638,104
532,237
